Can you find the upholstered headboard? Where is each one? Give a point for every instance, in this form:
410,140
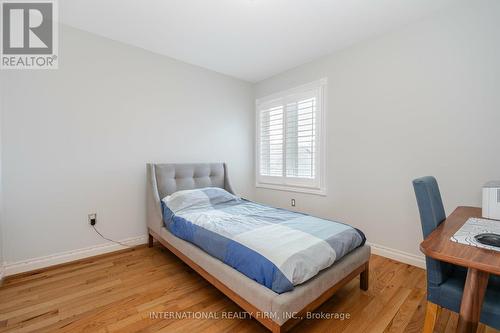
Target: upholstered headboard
165,179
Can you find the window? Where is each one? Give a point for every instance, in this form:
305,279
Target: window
289,139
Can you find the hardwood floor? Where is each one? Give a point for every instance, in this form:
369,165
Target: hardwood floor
122,291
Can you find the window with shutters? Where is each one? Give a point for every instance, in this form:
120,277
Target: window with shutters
290,146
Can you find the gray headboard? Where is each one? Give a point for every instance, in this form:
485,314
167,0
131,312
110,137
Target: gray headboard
165,179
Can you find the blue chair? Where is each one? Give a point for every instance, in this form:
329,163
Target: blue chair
445,282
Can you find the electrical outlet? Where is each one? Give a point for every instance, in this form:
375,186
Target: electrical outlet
293,202
93,218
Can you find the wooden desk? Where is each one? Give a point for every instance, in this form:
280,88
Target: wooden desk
480,263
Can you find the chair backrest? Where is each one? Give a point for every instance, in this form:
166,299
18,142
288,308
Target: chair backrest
430,206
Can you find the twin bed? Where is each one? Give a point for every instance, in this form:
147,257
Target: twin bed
276,264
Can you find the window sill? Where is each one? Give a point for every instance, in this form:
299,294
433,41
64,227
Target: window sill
287,188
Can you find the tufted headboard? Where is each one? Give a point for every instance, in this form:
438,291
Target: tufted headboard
165,179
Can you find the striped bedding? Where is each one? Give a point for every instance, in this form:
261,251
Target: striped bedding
275,247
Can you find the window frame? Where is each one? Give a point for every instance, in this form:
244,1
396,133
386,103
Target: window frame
283,183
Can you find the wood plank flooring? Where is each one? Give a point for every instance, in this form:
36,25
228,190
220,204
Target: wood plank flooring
121,292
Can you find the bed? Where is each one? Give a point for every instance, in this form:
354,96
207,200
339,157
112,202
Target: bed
277,311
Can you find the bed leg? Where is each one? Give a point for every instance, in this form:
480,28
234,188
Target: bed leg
364,277
277,329
150,240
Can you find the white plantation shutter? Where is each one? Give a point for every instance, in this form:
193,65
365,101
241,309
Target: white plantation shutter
271,143
289,138
301,138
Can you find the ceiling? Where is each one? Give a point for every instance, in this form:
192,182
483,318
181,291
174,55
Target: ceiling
247,39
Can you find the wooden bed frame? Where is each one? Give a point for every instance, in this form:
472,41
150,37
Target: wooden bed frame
362,271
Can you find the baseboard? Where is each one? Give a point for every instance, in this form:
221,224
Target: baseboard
405,257
64,257
2,273
68,256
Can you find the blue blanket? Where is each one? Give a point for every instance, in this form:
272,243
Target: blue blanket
275,247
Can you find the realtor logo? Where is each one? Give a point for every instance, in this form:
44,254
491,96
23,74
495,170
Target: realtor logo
29,34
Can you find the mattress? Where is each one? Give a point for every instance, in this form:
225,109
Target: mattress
277,248
279,306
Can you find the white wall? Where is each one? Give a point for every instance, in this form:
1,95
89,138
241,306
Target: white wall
424,100
1,179
76,141
420,101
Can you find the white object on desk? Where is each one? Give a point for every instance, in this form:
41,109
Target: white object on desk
491,200
475,226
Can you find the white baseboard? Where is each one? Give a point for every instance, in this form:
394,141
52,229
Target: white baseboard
2,273
68,256
404,257
63,257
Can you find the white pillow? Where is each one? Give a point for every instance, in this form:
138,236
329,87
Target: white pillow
197,198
